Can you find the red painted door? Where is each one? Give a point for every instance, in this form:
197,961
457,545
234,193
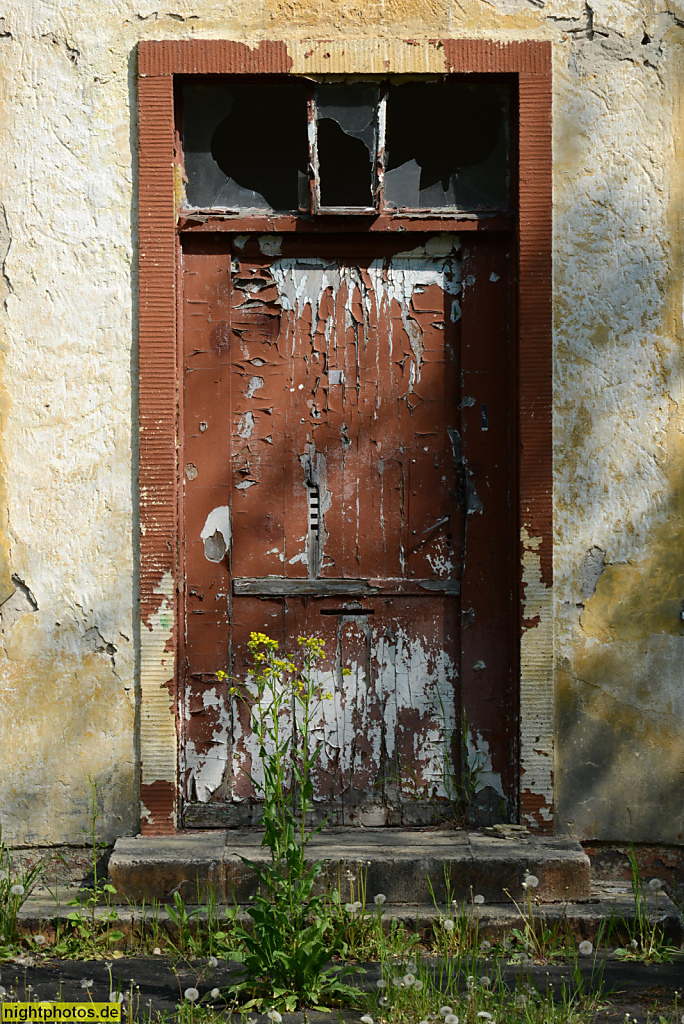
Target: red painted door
347,473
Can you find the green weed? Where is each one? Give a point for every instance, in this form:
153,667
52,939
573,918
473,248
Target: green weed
286,952
470,990
358,930
15,889
645,939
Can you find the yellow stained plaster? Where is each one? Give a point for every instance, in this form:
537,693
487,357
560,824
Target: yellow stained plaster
70,719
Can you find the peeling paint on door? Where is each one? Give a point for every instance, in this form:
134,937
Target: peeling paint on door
347,511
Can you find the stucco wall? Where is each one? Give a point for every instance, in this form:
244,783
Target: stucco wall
68,516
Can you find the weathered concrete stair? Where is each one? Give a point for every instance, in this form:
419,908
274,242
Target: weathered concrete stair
406,865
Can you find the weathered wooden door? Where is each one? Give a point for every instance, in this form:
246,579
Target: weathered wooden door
347,471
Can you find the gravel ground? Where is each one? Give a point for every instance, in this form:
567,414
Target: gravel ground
632,988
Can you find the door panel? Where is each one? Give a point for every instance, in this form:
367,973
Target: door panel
338,450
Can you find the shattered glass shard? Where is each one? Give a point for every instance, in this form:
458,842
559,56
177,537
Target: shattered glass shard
447,146
347,140
245,146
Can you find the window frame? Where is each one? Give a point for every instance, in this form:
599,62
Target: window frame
315,208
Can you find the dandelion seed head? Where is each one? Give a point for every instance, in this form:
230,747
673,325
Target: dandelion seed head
17,890
444,1011
350,908
484,945
586,948
274,1016
156,951
383,1000
479,898
39,940
418,985
451,1018
212,961
470,981
484,981
86,982
366,1019
655,885
531,882
634,944
191,994
215,993
116,997
381,984
379,899
448,924
3,991
483,1015
409,979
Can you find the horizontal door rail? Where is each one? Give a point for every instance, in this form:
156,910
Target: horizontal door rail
281,586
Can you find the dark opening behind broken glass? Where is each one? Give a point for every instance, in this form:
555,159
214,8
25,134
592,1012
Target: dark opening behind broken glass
447,145
245,146
347,133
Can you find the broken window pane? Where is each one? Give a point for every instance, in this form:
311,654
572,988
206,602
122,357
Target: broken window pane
245,146
347,142
446,145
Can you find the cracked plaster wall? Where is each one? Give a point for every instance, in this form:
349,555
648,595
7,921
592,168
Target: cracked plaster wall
68,518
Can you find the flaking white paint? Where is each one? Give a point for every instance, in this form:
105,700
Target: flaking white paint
536,685
157,664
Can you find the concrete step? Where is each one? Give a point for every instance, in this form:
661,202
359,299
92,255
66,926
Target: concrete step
406,865
607,904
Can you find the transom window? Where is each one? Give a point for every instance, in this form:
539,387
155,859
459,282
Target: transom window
350,146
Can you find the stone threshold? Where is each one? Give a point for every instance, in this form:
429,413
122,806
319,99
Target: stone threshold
408,866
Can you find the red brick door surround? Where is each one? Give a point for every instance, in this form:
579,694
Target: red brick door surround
158,61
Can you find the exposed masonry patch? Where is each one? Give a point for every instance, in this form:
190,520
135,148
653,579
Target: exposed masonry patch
597,46
17,604
593,565
72,53
95,642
